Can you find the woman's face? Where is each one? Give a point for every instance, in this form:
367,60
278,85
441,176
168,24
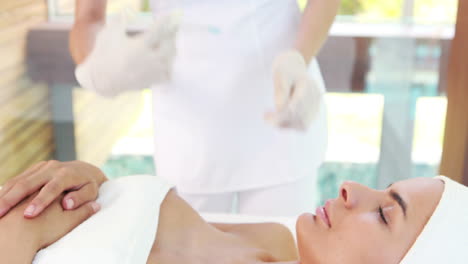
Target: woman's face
364,225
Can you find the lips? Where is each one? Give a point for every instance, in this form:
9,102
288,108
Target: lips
321,212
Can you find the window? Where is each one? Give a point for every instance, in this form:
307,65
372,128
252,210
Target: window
64,9
366,11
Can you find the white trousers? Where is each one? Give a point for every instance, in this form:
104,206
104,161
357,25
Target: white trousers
289,199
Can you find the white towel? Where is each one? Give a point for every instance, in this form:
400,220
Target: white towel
444,239
123,231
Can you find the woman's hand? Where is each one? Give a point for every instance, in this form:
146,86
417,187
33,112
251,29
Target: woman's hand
79,181
21,238
119,63
297,96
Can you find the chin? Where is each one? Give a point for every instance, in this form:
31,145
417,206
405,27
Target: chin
306,235
305,222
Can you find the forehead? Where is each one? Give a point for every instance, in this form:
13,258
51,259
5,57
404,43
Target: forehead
421,194
417,187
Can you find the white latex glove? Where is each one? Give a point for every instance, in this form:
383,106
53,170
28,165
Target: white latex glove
298,97
119,62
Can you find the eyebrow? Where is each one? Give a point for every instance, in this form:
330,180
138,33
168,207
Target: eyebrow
397,197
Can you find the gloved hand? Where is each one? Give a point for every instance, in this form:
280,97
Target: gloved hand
119,62
298,97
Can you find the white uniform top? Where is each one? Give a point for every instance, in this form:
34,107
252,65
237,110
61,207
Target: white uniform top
210,135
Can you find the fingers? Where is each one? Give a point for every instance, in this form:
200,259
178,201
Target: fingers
50,179
308,101
61,182
10,183
281,119
46,196
82,213
81,196
20,188
165,28
301,107
283,89
287,67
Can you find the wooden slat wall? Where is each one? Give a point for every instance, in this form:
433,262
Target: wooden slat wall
25,127
455,152
66,7
26,132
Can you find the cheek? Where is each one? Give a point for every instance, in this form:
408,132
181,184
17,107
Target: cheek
363,242
358,239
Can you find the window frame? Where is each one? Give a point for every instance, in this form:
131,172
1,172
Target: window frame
407,10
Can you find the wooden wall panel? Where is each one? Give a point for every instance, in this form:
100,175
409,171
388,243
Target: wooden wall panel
29,151
25,127
18,30
29,106
9,76
67,6
12,16
6,5
454,162
12,55
26,132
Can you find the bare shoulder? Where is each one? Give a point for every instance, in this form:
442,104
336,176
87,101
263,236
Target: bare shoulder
272,237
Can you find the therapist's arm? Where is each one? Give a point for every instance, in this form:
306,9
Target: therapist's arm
316,21
90,16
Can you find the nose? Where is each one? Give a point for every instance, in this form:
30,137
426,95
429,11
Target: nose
348,194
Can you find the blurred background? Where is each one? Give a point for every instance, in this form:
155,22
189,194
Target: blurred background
384,65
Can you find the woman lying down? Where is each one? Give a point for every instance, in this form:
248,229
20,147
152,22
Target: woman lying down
143,220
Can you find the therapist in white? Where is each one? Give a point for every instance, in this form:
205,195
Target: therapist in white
239,111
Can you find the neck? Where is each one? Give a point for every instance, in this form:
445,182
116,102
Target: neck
180,226
183,233
179,223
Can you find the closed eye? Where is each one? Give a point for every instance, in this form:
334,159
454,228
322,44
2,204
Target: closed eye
382,216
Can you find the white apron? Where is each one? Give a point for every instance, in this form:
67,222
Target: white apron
210,135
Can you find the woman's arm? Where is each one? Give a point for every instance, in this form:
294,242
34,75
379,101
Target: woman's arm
15,249
90,16
21,238
316,22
